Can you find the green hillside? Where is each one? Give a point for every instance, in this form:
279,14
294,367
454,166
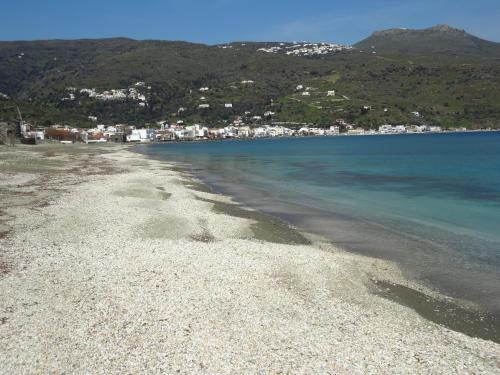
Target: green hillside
459,88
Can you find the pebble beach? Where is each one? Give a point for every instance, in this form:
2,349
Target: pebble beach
114,263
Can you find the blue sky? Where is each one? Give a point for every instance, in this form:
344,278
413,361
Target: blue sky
219,21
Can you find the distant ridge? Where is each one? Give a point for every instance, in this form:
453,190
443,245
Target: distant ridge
442,39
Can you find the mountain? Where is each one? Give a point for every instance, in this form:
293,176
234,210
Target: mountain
121,80
440,39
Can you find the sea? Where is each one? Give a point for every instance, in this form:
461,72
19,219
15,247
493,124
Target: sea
429,202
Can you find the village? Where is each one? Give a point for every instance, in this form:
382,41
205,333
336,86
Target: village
245,126
306,49
162,131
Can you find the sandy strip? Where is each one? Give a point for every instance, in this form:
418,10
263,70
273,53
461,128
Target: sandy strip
127,267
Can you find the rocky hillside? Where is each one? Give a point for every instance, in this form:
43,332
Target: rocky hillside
440,39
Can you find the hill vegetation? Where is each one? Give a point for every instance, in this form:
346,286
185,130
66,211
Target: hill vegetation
384,79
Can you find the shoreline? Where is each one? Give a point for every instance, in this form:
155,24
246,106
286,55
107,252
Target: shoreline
440,253
454,313
137,257
238,139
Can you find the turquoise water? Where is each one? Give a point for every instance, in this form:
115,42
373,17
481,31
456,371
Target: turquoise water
429,202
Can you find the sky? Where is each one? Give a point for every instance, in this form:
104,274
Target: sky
221,21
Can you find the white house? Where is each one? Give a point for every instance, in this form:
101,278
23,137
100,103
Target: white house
260,132
334,130
179,133
331,93
389,129
244,132
139,135
92,93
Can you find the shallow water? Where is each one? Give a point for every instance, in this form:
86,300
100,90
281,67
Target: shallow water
430,202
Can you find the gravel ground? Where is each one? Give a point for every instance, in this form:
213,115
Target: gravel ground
132,273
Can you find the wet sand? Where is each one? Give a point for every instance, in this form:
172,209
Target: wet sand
442,311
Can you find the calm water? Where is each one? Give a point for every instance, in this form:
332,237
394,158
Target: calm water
429,202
